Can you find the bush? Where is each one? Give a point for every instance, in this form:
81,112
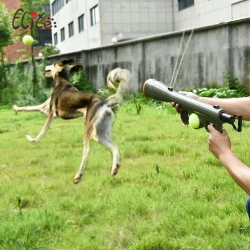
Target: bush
19,89
78,80
234,89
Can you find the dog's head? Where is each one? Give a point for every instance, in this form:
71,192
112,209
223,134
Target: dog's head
64,66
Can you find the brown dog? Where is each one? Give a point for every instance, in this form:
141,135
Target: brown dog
67,102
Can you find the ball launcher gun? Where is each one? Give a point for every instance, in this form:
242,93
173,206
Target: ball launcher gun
208,114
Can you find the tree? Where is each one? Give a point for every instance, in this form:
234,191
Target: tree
28,20
6,31
49,51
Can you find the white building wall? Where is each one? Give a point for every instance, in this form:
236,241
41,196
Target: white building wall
86,39
128,19
207,12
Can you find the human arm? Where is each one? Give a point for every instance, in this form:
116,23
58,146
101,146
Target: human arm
219,144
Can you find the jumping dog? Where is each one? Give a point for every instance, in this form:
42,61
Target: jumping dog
67,102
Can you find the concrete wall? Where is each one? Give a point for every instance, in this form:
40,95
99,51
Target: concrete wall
212,52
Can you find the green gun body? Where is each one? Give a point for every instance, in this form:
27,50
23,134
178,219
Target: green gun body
208,114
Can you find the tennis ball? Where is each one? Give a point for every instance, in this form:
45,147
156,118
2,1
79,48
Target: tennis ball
194,121
28,40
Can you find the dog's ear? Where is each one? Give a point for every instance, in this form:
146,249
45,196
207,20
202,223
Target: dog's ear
67,61
74,68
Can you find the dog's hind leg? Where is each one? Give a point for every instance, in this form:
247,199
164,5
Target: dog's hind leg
106,141
43,131
102,134
85,154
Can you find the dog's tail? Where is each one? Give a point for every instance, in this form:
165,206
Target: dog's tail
123,77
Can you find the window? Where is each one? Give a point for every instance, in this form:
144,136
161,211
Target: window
81,23
56,6
55,39
94,15
183,4
62,34
71,29
67,1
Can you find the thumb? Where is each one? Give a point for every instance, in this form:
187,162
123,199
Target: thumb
224,132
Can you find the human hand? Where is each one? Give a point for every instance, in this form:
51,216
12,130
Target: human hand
187,94
218,143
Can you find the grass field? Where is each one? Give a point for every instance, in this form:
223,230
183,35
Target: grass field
170,193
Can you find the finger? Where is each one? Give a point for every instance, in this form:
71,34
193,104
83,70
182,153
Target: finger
224,132
211,128
178,108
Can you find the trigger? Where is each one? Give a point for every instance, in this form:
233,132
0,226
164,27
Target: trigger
184,117
206,123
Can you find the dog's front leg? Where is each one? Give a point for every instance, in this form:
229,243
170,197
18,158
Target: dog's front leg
43,131
43,108
85,154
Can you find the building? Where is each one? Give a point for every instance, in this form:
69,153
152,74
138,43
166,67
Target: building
16,51
86,24
93,23
195,13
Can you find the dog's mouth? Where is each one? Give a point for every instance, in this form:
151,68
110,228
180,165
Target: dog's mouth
47,73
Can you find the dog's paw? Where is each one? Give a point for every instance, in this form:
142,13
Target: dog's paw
44,111
29,138
77,179
115,170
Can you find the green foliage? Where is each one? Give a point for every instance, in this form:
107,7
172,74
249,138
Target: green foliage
49,51
224,92
170,193
20,88
234,89
78,80
6,29
241,89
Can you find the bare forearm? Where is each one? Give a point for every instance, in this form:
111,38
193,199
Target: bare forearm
238,170
231,105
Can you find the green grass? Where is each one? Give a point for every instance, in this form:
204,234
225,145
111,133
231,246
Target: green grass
170,193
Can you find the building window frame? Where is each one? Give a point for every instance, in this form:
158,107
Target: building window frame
184,4
81,23
71,29
56,6
62,34
55,38
94,15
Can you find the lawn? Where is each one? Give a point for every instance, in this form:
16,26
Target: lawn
170,193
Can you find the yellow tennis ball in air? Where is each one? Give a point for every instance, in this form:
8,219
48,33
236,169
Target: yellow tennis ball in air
194,121
28,40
